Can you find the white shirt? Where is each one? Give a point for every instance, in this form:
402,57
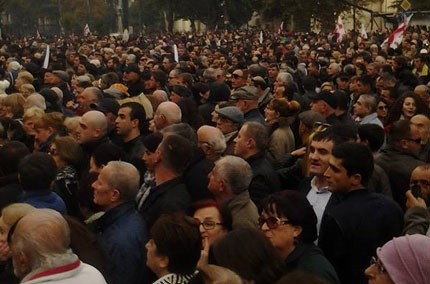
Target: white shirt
318,198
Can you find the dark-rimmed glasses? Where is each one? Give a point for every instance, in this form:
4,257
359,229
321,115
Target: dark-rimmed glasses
208,224
272,222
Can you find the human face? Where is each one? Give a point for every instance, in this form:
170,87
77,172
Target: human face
210,214
123,123
215,181
422,124
360,108
273,72
237,81
152,257
54,154
319,154
28,125
318,106
337,176
150,159
409,108
42,135
174,97
282,237
422,178
270,114
377,274
85,133
361,88
159,120
225,125
382,110
173,79
102,190
240,148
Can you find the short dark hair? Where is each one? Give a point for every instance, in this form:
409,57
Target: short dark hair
176,152
258,132
37,171
10,155
400,129
296,208
137,111
178,237
373,134
356,159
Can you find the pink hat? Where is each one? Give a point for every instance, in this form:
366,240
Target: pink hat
407,259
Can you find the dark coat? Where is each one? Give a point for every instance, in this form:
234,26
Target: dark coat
264,178
196,176
398,166
352,230
10,190
123,235
310,259
169,196
133,151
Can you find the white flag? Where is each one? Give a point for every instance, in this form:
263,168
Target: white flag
396,37
261,37
363,32
281,27
46,61
175,53
340,29
86,30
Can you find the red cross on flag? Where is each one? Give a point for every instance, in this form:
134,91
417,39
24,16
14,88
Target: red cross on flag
340,29
396,36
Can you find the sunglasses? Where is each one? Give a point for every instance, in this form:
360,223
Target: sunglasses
272,222
208,224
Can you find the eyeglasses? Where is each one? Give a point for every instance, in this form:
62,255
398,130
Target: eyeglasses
272,222
208,224
382,107
52,151
375,261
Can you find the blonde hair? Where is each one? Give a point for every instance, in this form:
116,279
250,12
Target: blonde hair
16,101
33,112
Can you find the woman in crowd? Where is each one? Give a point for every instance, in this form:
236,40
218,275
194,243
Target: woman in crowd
382,111
289,222
215,223
67,154
403,260
46,129
405,107
279,115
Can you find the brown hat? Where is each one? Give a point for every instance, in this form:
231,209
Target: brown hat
245,93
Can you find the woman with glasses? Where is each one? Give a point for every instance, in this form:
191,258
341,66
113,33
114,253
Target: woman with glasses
382,111
289,222
403,260
215,223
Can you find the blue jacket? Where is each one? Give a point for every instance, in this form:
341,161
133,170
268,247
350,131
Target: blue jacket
44,199
123,236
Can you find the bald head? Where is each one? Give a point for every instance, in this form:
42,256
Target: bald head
167,113
90,95
421,123
211,140
92,126
40,235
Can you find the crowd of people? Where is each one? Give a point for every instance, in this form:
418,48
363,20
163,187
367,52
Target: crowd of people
215,158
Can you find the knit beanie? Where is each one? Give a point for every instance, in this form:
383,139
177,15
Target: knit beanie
407,259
